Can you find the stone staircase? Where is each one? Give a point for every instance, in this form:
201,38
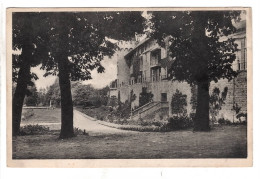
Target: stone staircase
148,109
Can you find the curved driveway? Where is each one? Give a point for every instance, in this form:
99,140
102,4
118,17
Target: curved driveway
91,125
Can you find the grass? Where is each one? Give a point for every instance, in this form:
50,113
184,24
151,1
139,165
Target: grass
221,142
48,117
42,115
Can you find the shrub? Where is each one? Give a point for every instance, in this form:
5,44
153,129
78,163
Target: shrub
238,116
178,123
228,122
78,131
144,128
192,116
216,101
33,130
244,123
223,121
100,117
123,111
179,103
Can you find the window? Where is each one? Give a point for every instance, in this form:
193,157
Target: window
241,55
141,63
142,49
155,57
238,65
164,97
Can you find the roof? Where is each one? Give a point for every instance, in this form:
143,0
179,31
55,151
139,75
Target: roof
139,44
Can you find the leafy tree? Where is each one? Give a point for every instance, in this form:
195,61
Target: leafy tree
103,95
26,42
41,96
87,95
77,43
32,97
53,95
145,97
81,95
200,55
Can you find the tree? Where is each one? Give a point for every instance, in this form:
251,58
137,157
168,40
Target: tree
77,44
87,95
200,53
32,97
53,95
41,96
26,28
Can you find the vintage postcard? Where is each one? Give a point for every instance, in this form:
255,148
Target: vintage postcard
129,87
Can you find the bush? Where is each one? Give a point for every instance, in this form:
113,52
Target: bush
179,103
244,115
144,128
100,117
223,121
33,130
216,101
192,116
78,131
178,123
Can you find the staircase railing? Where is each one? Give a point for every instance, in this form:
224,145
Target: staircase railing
148,108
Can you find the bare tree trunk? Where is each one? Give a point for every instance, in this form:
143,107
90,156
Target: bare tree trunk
20,91
66,99
202,109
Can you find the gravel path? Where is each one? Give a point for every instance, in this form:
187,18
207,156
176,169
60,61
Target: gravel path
92,126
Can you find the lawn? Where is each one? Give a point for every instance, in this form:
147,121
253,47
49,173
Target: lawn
221,142
48,117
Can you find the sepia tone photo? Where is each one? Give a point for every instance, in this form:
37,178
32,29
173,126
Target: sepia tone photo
109,85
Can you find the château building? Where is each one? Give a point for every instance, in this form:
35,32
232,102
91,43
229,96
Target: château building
146,65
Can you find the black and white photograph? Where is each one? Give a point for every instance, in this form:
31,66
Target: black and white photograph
168,84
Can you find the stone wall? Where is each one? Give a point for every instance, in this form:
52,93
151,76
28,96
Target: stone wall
170,88
237,94
157,88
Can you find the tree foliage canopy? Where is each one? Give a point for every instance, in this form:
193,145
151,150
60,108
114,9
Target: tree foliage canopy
84,38
196,43
28,30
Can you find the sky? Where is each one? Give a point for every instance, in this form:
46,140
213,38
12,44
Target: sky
99,80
